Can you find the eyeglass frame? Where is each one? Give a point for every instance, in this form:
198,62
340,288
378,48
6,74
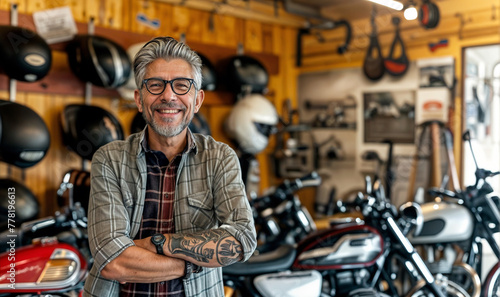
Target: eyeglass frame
166,82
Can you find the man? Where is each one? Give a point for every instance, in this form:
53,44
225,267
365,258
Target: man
167,207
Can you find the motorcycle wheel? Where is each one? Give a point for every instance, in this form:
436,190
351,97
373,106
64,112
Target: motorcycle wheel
491,286
468,279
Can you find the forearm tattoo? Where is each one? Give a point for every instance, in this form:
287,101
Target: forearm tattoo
227,250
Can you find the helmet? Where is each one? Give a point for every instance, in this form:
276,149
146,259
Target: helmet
25,55
199,124
24,137
86,128
138,123
251,121
208,73
98,60
127,90
246,74
27,207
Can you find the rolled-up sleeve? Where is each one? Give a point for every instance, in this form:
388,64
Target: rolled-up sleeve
109,221
231,204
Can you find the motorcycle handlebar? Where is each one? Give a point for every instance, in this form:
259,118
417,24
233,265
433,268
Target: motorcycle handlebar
288,187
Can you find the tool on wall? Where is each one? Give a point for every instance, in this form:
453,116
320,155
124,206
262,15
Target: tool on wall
327,26
397,66
373,64
293,157
321,23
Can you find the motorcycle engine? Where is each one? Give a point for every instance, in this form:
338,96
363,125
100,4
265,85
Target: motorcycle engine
366,292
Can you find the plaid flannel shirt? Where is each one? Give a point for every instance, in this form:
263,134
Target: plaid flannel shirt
209,194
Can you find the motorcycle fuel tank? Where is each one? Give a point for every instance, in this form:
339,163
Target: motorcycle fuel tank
444,222
40,268
345,245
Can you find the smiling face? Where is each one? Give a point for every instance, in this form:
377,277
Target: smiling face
168,114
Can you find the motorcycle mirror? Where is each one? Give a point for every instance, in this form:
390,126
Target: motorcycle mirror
466,135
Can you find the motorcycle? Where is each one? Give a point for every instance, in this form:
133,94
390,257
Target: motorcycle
48,256
455,226
280,217
352,258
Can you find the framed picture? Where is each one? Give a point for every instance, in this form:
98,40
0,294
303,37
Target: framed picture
389,116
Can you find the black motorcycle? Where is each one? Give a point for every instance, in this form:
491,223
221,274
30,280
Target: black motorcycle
354,258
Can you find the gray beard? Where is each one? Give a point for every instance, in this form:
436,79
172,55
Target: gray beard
167,131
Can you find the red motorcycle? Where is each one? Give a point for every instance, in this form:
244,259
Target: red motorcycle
46,257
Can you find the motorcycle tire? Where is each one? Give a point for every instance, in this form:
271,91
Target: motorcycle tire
491,287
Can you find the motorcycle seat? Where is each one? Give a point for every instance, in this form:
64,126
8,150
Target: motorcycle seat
273,261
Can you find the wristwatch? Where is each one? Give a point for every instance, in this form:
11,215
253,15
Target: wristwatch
158,240
190,269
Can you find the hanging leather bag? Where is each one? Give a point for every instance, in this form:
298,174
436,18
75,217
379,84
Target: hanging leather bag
373,65
396,66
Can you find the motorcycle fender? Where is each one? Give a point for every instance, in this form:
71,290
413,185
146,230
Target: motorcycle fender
289,283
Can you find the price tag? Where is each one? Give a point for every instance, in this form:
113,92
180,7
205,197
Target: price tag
55,25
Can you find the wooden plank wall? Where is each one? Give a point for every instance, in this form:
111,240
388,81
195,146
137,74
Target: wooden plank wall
227,32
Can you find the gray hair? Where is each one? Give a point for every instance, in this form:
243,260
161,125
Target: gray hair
166,48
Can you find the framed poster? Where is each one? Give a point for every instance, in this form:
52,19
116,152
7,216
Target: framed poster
389,116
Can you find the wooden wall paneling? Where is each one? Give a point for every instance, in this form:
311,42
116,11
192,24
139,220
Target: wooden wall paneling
228,31
217,116
153,11
253,36
105,13
187,22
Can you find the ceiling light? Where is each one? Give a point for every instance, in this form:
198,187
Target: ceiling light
411,12
389,3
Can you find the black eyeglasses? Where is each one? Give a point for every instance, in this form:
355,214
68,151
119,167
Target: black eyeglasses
180,86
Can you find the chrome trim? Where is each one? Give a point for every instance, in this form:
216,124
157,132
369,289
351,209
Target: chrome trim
324,251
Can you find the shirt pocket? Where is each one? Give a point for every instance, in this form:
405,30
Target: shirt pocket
201,210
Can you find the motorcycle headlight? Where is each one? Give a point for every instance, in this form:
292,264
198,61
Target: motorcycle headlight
412,213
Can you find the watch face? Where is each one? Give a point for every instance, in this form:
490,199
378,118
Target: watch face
157,238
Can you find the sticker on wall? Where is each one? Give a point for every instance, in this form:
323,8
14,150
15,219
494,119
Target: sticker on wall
432,105
152,23
55,25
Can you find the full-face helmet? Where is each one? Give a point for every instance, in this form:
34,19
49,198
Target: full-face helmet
251,121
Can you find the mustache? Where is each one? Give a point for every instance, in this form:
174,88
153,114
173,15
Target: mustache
166,105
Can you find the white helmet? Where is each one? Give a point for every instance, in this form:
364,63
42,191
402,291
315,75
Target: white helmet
126,91
251,121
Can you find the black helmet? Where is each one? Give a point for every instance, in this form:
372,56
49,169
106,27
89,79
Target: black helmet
24,137
25,56
27,207
138,123
86,128
98,60
247,75
199,124
208,73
